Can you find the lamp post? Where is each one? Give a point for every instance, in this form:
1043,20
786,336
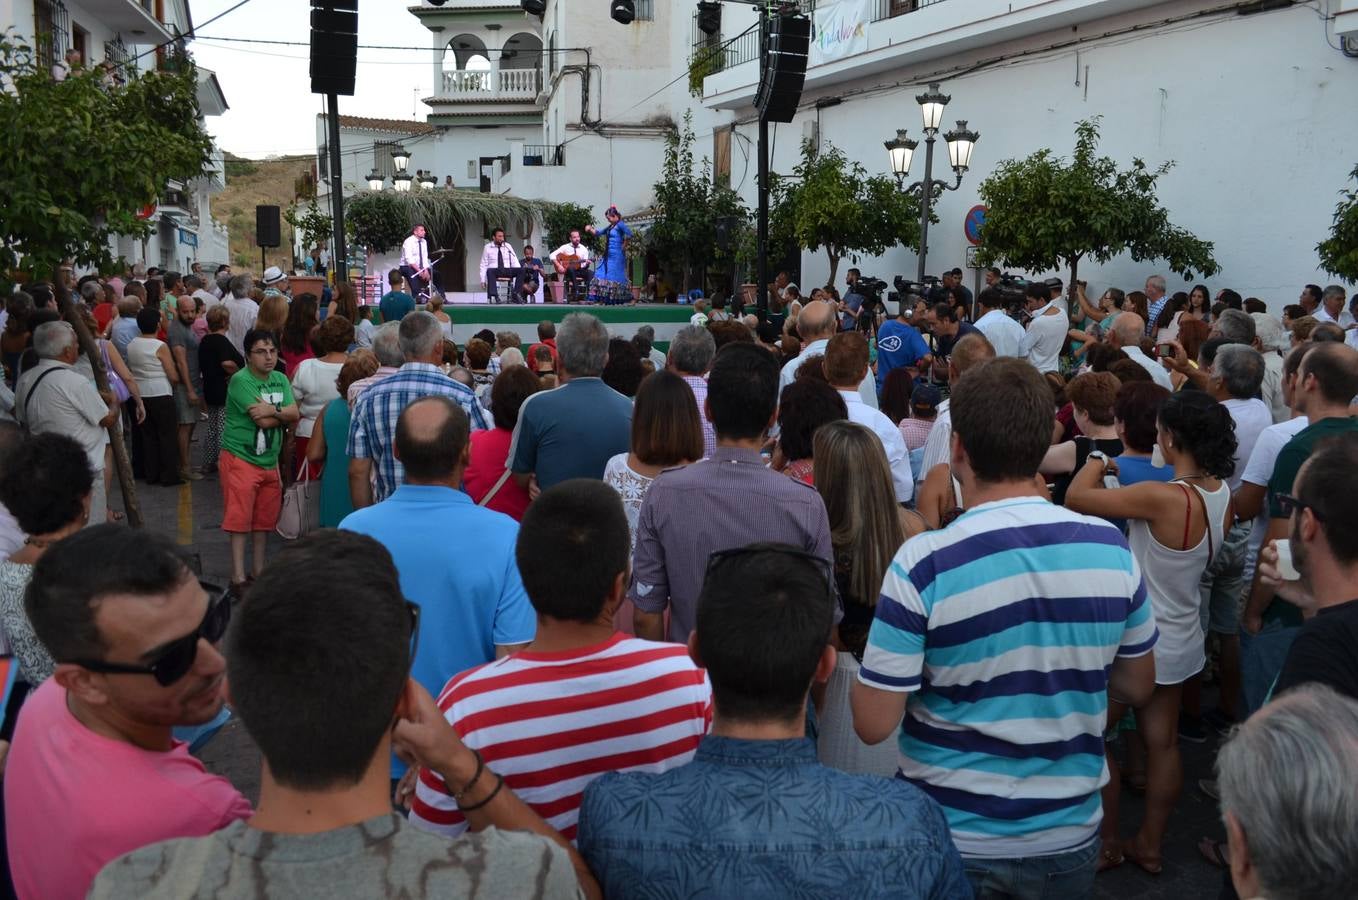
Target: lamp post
376,180
401,181
961,143
400,157
429,180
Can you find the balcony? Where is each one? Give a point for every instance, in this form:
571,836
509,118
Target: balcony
480,86
136,20
902,33
544,154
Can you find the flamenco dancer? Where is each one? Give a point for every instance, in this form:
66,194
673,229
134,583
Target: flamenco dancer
611,285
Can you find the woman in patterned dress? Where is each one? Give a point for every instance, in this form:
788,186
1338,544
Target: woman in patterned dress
611,285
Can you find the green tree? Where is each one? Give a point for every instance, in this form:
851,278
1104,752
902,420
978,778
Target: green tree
1339,253
79,157
558,220
1045,213
377,220
314,225
687,207
831,203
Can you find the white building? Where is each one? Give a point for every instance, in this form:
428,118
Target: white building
122,31
1254,105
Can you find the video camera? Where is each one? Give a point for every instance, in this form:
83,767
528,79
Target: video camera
1014,290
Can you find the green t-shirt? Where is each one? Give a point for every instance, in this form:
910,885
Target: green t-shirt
1290,460
240,435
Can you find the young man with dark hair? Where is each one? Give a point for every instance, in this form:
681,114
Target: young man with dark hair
582,699
95,771
899,343
845,366
763,634
1000,639
677,526
1004,334
1326,382
395,304
473,601
320,655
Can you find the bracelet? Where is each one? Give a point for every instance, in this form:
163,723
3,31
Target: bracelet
480,767
499,783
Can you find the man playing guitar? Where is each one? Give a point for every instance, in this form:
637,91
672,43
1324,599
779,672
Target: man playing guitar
573,264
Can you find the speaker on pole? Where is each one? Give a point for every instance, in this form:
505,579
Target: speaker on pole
334,46
268,228
780,88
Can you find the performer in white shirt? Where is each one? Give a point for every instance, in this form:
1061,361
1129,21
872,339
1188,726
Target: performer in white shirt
415,263
498,261
573,264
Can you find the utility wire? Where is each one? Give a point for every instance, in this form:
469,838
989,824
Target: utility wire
189,35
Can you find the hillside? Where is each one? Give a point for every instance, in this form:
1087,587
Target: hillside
252,182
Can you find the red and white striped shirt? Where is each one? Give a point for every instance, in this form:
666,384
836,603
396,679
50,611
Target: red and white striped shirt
551,723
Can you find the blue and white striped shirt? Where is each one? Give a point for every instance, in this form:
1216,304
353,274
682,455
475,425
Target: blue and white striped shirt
1003,627
372,430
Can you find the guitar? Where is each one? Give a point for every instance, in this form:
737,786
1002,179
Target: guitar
574,261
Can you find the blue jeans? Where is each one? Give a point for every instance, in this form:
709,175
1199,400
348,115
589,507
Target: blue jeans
1061,876
1261,660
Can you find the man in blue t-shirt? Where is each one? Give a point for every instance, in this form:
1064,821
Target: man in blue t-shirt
899,344
572,431
395,304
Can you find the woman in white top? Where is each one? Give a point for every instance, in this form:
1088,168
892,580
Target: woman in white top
1176,528
435,307
666,432
314,382
149,361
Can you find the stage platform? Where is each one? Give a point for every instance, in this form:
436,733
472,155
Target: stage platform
622,321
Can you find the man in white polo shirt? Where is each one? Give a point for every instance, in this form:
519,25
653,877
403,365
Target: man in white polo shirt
845,365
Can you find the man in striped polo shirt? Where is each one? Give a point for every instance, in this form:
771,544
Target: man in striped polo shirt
582,699
1000,639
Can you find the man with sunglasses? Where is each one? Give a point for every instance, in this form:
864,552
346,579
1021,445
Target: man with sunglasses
320,660
95,771
764,623
1327,381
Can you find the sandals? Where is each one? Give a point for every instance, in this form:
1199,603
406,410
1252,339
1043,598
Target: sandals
1151,865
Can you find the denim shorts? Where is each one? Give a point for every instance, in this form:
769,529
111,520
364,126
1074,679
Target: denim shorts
1061,876
1223,584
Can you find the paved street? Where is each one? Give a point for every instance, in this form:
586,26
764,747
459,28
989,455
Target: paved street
193,512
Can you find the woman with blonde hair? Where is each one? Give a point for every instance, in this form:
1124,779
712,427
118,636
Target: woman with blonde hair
273,315
867,527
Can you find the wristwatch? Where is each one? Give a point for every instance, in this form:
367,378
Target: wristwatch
1099,455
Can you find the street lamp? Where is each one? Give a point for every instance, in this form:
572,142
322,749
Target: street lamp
961,143
401,157
401,181
429,180
375,180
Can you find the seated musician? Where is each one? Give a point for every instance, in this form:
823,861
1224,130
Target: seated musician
573,264
498,261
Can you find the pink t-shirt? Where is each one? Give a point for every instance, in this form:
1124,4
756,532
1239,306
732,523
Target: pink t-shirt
75,800
490,451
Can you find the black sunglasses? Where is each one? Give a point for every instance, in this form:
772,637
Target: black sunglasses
1289,504
717,557
176,658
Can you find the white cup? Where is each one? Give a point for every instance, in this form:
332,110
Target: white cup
1285,566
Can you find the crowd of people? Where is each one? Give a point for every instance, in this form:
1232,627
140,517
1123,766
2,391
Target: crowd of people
824,599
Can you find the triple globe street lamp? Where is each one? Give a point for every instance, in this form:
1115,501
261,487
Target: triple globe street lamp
961,142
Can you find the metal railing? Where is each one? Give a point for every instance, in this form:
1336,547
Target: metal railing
503,83
889,9
544,154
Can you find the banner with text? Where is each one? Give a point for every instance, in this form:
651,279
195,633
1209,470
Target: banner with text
841,30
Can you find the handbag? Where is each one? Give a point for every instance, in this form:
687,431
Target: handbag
301,512
115,381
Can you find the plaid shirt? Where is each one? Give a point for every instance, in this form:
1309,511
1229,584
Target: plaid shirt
698,385
372,432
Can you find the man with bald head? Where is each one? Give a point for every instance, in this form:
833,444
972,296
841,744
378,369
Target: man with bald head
967,354
816,324
1126,335
455,559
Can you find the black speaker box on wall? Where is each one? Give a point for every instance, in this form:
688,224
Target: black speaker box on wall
268,228
334,46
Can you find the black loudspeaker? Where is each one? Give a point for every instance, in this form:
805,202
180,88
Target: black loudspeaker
780,90
709,17
334,46
268,230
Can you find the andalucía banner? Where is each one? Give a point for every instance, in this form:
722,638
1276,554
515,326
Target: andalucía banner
841,30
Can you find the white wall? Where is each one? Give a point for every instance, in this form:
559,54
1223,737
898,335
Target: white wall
1256,111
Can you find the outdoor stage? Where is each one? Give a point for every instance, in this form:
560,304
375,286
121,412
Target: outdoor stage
622,321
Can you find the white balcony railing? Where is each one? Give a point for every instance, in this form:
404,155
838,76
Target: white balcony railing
502,84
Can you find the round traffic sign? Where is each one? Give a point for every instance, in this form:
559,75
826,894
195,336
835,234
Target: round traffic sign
972,224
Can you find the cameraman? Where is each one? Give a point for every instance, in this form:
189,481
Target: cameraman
851,307
899,343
